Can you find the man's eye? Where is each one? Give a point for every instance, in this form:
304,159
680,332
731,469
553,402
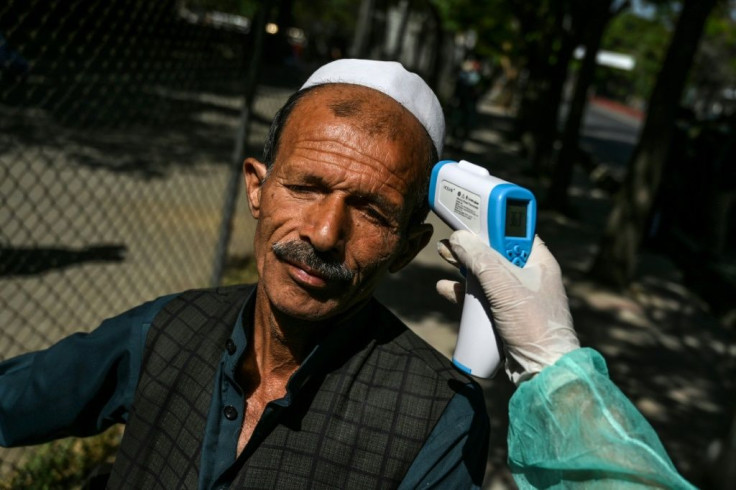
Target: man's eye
376,216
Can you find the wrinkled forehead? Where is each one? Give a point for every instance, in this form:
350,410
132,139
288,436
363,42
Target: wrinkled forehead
366,111
356,101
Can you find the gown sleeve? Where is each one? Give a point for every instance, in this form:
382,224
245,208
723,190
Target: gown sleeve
571,427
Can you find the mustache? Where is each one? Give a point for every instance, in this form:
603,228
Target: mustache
303,253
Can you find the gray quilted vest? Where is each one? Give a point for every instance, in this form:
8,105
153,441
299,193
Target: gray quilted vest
357,422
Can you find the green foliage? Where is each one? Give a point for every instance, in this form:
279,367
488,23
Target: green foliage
66,463
715,65
646,40
493,21
331,14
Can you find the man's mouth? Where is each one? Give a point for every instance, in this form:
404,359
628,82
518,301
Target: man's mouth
310,268
306,276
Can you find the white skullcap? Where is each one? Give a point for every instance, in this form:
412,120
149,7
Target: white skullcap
392,79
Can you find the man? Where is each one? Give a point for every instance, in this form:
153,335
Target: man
305,380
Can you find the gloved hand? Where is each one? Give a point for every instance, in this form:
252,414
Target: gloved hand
529,304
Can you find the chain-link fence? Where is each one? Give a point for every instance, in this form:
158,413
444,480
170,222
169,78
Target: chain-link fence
117,128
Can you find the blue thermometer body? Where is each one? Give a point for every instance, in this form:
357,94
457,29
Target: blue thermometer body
503,214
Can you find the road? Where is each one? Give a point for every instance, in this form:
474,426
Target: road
610,134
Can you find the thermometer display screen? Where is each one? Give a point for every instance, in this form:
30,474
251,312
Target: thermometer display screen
516,218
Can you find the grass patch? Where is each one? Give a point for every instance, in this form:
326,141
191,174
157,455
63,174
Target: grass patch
240,270
66,463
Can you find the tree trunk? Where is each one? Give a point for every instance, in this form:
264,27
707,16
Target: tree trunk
361,40
549,110
535,90
536,55
547,57
616,260
569,152
438,48
404,10
246,113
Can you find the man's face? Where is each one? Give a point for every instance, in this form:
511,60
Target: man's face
332,213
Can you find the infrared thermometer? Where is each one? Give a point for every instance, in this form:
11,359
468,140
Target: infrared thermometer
467,197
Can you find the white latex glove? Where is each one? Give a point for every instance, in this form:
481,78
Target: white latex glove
529,304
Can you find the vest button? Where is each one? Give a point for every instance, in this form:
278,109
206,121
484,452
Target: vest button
230,346
230,412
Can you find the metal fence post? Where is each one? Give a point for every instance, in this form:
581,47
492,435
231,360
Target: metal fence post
234,180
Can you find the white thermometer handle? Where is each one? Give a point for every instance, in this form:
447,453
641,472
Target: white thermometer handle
477,351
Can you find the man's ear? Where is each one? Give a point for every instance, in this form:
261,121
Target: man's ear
254,172
416,239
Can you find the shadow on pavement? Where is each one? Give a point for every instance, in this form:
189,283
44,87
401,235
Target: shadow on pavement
194,130
26,261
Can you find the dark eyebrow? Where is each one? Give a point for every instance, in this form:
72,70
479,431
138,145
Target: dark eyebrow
313,179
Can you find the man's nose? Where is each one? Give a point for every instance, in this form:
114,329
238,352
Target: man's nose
326,224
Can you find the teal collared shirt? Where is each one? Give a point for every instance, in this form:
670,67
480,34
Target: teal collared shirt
86,382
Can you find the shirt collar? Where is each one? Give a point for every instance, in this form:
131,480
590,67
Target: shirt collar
338,345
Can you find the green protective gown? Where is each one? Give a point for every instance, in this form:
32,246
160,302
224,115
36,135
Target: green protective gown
571,427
